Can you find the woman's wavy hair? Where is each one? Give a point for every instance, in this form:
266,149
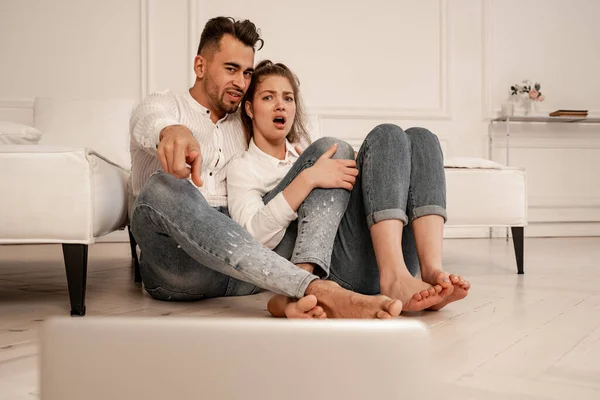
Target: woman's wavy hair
263,70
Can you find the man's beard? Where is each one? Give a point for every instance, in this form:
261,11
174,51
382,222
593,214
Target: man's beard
213,93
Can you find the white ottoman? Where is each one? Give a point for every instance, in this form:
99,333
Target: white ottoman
482,193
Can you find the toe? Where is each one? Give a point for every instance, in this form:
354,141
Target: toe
417,297
394,307
316,312
424,293
454,279
444,291
383,315
292,311
307,303
443,279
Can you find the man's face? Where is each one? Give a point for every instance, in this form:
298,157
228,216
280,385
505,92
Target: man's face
228,74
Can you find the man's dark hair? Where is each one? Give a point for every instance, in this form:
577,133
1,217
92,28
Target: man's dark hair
245,31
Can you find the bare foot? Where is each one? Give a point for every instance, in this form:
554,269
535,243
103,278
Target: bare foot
341,303
415,294
438,277
281,306
461,290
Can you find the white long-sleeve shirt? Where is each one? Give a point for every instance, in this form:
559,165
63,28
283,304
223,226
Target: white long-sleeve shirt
219,143
249,178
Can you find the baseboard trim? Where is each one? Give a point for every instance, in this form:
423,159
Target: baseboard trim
563,229
453,232
543,229
534,229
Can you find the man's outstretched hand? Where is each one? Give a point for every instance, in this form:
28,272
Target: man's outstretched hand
179,153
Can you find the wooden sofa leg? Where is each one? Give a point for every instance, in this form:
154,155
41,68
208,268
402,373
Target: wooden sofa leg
76,256
134,258
518,242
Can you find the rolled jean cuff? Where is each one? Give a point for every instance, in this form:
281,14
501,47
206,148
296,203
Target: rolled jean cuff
429,210
301,290
393,213
320,265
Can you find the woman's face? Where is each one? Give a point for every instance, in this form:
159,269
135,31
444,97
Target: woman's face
273,108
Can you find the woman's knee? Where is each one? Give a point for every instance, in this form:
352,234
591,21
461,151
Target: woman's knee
388,135
344,150
423,135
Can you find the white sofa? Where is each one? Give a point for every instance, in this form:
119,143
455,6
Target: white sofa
72,187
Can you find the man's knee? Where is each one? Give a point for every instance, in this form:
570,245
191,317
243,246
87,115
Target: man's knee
164,195
344,150
163,191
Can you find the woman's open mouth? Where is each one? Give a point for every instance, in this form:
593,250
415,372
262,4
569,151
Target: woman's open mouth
279,122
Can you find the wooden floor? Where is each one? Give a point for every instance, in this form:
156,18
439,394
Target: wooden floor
535,336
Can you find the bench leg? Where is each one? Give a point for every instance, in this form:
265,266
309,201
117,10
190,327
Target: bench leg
134,258
76,256
518,242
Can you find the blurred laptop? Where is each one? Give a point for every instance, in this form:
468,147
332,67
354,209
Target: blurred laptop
225,359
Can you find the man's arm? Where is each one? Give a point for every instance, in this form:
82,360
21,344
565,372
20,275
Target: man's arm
155,127
154,113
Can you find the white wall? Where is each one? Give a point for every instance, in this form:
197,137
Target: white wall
69,47
446,65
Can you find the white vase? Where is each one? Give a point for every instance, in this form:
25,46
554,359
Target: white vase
528,107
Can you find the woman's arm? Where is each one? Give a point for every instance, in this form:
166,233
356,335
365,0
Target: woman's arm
299,189
266,223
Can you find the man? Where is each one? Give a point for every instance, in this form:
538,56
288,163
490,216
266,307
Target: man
190,248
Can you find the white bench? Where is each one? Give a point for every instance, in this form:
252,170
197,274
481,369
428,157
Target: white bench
482,193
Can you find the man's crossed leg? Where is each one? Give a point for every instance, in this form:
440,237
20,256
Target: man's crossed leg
192,251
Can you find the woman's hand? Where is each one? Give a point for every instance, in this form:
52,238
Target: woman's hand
328,173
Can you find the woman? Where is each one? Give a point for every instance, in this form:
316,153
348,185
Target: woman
370,225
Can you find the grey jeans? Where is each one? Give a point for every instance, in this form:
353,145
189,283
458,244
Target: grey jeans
192,251
401,176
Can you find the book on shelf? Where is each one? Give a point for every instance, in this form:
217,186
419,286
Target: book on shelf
569,113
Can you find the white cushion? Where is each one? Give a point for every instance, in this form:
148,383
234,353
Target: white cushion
60,195
471,163
15,133
486,197
99,124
